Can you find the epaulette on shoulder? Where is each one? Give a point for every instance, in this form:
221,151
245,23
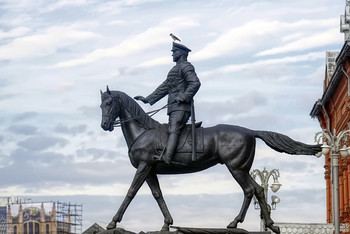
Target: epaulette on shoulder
186,67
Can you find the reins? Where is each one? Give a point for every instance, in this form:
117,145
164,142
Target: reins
118,123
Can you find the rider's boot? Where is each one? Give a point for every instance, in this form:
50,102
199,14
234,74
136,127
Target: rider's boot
170,148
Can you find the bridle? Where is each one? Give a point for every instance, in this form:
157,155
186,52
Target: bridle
118,123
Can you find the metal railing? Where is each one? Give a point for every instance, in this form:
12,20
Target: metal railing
310,228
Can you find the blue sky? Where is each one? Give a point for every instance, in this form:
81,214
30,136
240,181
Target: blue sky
261,64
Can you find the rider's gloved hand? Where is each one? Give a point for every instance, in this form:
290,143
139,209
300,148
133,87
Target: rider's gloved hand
179,99
141,98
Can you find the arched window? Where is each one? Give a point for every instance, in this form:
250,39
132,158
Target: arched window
25,228
36,228
47,229
31,228
15,230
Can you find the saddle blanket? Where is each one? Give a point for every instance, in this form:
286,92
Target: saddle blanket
185,139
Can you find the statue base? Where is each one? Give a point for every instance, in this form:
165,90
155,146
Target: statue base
187,230
190,230
116,231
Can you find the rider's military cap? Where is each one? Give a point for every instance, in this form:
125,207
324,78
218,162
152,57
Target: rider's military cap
180,47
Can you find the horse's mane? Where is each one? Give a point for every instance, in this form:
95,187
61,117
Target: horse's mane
135,110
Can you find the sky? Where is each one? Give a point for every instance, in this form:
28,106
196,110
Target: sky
261,64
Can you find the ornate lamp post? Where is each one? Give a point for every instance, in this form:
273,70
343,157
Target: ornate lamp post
264,178
332,143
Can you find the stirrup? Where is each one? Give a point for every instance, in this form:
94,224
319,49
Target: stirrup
159,158
167,161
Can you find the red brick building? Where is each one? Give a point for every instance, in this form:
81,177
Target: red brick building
333,113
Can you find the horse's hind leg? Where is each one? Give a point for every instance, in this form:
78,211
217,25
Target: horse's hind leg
153,183
259,194
250,188
242,177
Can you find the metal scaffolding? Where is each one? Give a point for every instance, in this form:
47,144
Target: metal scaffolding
69,218
3,221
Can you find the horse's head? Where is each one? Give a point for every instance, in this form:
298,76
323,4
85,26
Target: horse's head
110,110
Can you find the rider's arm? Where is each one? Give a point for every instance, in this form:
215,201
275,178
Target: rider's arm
158,94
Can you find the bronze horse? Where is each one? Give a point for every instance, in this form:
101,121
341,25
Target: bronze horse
231,145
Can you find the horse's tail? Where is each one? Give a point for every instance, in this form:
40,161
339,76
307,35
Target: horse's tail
285,144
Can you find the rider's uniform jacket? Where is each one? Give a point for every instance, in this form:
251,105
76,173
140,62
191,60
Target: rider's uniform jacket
182,82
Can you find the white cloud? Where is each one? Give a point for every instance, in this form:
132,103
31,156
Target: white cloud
317,77
17,4
134,44
73,189
62,3
292,36
201,183
16,32
286,60
243,36
138,2
116,7
11,190
238,39
305,43
155,62
121,22
67,3
68,189
44,43
255,33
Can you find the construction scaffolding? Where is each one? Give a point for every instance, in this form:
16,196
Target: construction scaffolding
3,221
69,218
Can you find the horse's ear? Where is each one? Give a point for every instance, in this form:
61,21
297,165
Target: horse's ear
101,92
108,91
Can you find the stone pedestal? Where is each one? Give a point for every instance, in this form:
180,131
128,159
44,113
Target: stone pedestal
116,231
187,230
190,230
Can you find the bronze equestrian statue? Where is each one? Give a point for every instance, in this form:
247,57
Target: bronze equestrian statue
231,145
180,85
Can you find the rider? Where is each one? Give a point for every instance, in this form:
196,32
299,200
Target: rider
181,85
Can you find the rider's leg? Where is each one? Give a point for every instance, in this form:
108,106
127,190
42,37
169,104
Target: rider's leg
177,121
170,147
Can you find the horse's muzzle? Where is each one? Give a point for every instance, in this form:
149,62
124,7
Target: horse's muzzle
107,126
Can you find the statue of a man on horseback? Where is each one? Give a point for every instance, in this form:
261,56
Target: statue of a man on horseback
231,145
180,85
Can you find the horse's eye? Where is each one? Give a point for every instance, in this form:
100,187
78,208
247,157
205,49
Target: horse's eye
108,103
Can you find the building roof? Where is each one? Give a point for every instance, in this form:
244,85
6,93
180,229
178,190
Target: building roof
332,86
95,228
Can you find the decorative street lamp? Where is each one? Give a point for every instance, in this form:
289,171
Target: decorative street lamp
264,178
332,143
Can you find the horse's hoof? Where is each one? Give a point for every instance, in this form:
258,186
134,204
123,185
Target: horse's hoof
233,224
111,225
165,227
275,229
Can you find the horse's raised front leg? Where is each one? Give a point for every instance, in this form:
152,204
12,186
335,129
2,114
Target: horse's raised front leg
142,173
153,183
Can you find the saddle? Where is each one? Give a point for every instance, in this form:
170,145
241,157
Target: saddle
185,139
